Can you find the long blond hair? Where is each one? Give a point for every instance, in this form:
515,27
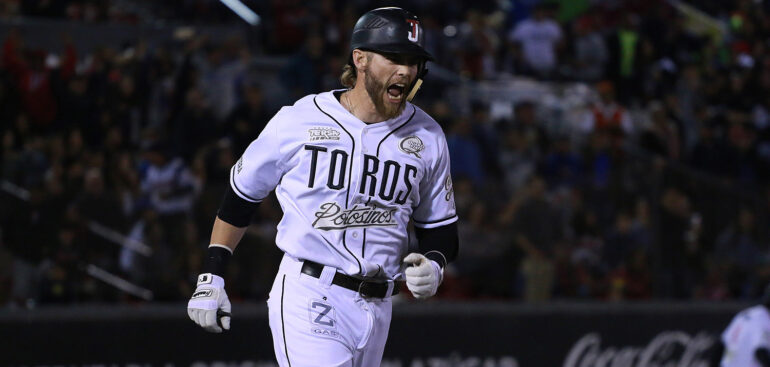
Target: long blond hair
349,76
350,72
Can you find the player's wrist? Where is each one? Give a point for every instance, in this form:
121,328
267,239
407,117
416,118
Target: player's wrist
438,270
437,257
210,279
217,258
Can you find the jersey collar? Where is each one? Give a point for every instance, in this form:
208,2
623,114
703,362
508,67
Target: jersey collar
331,105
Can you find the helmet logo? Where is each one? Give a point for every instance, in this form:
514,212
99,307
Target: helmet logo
414,30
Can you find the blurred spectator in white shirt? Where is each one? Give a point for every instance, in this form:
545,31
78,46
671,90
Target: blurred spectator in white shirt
536,41
168,183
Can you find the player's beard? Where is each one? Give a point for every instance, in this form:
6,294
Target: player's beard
377,92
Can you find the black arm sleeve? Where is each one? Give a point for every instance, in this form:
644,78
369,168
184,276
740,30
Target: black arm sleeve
235,210
763,356
440,244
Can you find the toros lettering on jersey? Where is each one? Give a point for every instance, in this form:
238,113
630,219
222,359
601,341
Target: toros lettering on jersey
379,178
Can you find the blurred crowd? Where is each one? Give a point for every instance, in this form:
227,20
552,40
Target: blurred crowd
657,187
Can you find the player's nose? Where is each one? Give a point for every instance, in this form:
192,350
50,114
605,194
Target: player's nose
406,71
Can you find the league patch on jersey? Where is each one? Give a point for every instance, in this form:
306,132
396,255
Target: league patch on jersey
411,145
331,216
323,133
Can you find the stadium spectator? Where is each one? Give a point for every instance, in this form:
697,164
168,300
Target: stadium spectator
303,73
590,51
526,118
169,188
519,156
536,42
607,114
661,136
536,237
626,47
672,253
738,247
194,126
247,120
465,150
562,167
478,45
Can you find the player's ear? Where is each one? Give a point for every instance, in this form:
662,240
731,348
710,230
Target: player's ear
361,59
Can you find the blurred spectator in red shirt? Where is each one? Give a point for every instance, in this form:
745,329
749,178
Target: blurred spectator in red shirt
36,76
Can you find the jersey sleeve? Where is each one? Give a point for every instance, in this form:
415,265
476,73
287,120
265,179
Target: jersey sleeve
761,335
727,334
259,169
437,203
764,339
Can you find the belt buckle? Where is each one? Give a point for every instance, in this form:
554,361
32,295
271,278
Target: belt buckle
363,290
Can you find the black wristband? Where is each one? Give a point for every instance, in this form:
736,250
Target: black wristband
436,256
216,260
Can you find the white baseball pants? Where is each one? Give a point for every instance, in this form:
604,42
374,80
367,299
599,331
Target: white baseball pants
317,324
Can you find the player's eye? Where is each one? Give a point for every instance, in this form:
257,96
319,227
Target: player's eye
407,60
393,58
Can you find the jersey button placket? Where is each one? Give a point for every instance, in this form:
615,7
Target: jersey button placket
363,141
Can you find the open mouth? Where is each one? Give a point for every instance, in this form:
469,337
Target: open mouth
396,92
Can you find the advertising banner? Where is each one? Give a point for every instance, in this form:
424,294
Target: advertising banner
424,335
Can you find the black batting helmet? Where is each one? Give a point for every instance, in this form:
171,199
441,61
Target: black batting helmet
390,30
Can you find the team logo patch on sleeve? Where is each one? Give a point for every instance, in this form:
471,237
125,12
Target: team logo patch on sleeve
411,145
323,133
448,188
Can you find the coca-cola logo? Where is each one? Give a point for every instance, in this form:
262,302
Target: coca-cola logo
667,349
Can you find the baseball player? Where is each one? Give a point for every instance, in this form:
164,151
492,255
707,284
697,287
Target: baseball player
350,168
746,341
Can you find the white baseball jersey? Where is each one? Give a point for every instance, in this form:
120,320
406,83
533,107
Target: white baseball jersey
749,330
348,189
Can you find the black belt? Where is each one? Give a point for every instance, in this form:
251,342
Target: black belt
367,289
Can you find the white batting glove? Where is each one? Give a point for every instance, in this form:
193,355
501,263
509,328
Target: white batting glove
209,306
423,276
